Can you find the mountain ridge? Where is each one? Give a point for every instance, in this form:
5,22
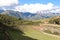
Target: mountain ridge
31,16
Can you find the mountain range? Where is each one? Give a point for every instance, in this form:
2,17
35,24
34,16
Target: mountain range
32,16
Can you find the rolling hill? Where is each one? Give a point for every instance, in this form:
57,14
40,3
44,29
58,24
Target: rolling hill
13,28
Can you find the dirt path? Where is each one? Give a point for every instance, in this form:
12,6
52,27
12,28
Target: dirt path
51,35
39,28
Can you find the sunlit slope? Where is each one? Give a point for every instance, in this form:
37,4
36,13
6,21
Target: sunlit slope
38,35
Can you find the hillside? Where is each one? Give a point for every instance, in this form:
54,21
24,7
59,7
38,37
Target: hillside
13,28
9,29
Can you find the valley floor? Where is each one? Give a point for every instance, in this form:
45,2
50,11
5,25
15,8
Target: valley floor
33,33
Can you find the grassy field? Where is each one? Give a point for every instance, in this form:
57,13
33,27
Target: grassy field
39,35
30,34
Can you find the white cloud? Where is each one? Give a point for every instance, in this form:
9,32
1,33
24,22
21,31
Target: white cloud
8,2
34,7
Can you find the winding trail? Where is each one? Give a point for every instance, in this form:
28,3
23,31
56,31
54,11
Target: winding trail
38,28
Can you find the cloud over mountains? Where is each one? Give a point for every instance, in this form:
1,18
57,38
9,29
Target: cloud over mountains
33,8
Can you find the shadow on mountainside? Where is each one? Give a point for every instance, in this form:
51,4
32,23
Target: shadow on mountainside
9,33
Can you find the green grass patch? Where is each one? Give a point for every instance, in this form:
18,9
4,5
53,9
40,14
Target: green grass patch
39,35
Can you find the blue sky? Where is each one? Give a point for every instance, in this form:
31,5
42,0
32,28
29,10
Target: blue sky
55,2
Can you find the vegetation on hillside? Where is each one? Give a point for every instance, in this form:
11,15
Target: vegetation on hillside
8,30
55,20
9,21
